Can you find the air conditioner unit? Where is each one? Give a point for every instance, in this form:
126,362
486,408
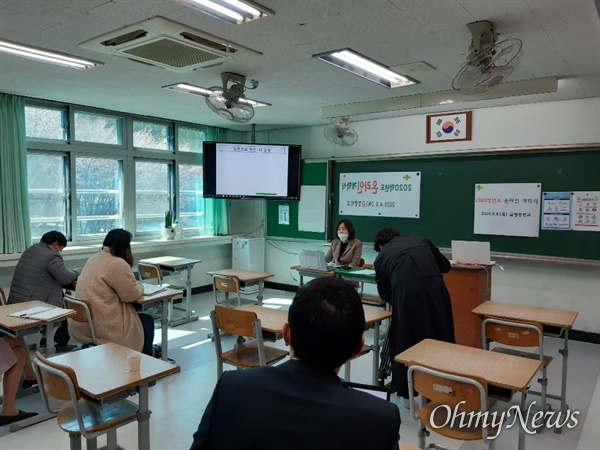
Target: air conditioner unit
170,45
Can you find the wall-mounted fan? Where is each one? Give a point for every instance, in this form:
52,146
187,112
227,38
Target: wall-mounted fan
340,133
228,101
489,62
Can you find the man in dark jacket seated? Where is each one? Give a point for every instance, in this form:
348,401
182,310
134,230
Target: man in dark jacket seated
302,404
40,275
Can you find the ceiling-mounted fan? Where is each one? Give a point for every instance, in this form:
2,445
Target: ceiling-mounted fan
489,61
340,133
228,101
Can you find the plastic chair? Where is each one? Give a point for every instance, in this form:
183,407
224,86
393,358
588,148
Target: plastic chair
80,417
245,355
518,334
83,313
228,284
447,390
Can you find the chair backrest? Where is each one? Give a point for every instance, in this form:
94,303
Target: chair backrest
56,380
3,300
236,321
149,271
83,312
449,389
362,262
518,334
228,284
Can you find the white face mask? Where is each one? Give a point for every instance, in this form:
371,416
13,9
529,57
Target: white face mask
343,237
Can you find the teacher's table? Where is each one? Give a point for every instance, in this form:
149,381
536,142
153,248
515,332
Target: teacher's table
361,275
102,375
165,297
17,326
248,278
272,321
176,264
501,371
555,322
312,273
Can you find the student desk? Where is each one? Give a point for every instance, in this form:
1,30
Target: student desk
176,264
354,274
165,297
102,375
15,327
502,371
248,278
313,273
272,321
554,322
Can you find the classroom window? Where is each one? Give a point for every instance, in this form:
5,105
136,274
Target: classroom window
98,195
190,139
45,123
98,128
153,194
191,201
152,135
47,187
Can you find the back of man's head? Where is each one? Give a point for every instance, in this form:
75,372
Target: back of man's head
326,322
53,236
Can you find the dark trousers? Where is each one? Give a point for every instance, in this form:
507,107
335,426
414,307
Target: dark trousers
61,334
148,326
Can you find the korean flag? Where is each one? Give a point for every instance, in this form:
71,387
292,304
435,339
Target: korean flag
451,127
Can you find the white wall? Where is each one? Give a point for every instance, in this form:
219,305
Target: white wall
563,123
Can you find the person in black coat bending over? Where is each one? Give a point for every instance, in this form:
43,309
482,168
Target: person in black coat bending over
408,271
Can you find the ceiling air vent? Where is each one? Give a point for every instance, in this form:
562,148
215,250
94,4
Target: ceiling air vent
170,45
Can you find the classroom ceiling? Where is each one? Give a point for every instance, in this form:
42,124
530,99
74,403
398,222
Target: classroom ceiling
561,38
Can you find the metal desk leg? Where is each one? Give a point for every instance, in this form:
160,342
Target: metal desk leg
523,407
375,353
143,417
189,316
301,279
563,389
49,339
261,285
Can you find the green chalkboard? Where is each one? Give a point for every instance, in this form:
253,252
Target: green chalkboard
447,197
312,174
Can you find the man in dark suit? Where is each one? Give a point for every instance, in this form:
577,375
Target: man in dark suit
302,404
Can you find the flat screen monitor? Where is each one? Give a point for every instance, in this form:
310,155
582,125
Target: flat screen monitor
236,170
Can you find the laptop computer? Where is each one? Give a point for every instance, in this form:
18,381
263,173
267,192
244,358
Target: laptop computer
315,260
471,252
377,391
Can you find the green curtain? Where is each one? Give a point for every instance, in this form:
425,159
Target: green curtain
15,235
216,211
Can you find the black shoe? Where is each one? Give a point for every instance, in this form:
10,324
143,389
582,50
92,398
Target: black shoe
157,351
29,383
64,347
7,420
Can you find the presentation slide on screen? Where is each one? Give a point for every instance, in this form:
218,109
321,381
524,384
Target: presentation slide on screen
253,170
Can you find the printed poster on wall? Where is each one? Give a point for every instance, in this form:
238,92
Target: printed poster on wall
381,194
584,211
556,211
507,209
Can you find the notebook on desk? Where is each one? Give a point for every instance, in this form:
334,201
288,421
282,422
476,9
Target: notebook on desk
471,252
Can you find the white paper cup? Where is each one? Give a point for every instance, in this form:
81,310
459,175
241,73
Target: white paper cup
134,362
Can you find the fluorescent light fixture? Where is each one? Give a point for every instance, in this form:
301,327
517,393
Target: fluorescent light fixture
236,11
359,65
197,90
46,55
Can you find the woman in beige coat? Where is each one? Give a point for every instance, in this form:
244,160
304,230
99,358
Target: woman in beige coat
107,281
347,249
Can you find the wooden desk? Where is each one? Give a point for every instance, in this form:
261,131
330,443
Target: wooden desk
248,278
102,374
272,321
499,370
313,273
555,322
166,298
469,286
15,327
176,264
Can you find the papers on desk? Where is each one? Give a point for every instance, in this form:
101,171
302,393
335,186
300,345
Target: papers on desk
363,272
46,313
153,289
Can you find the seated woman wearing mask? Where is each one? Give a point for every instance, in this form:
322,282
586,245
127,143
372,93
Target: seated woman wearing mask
345,250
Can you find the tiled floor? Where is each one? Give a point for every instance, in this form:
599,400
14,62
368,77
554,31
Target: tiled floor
178,401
